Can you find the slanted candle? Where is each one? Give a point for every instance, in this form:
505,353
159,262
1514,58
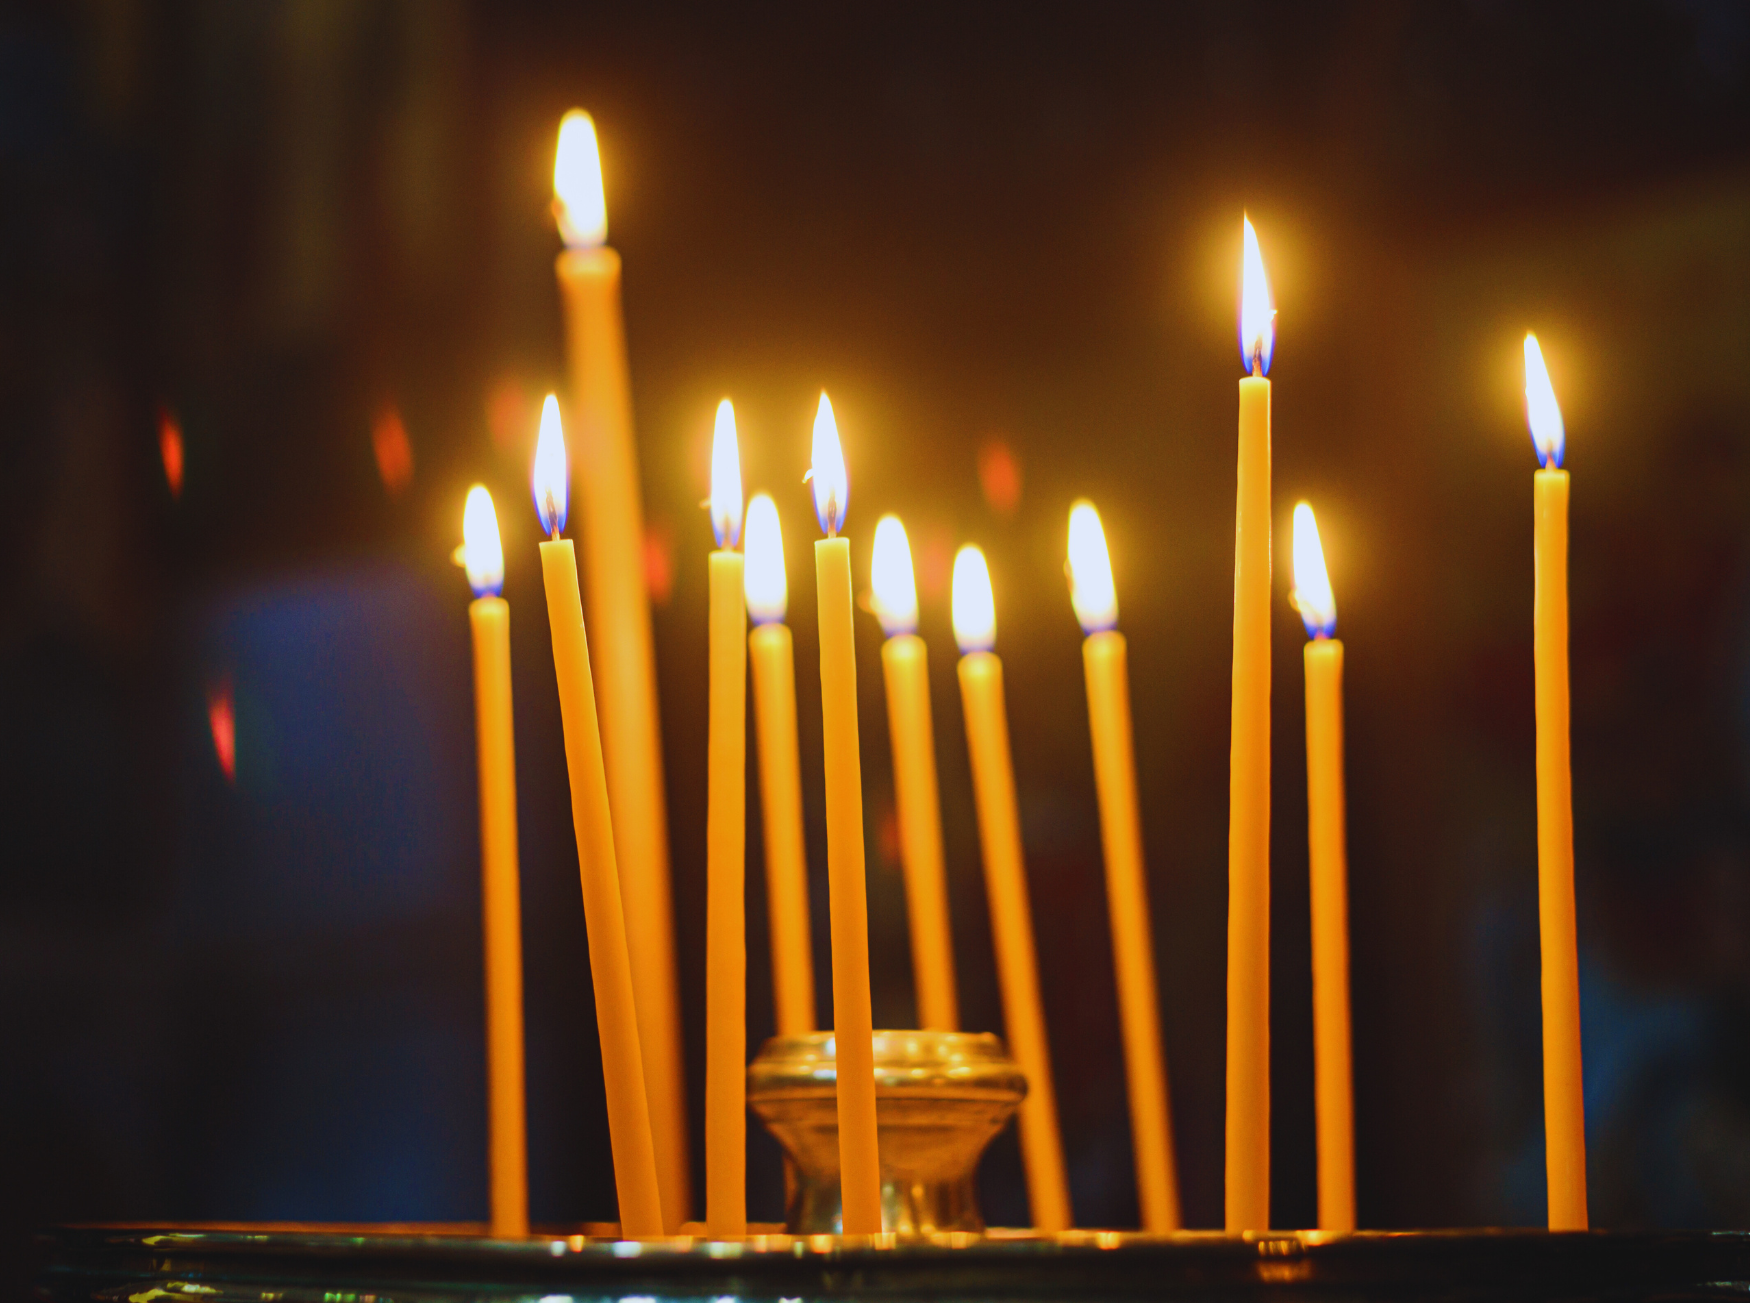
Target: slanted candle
1248,811
774,701
501,911
610,967
1005,880
1327,857
726,854
1106,670
852,1014
612,525
906,672
1564,1111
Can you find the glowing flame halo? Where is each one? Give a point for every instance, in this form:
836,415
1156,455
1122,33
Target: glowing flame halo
1542,413
578,200
765,583
551,475
1312,595
830,480
891,583
975,609
725,479
1090,570
482,552
1257,314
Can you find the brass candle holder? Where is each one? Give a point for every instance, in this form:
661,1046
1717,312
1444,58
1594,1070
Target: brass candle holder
940,1098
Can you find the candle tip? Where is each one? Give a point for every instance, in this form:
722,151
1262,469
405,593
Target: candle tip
1312,595
1090,570
725,502
1257,315
551,475
894,593
828,476
764,579
579,203
482,552
1542,413
975,612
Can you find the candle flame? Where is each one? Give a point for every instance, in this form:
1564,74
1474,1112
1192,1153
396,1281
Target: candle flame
1542,412
1257,315
1090,570
975,609
764,580
725,479
170,449
578,201
551,475
1312,595
482,553
890,579
832,484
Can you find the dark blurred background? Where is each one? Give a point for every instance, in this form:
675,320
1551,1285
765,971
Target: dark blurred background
239,928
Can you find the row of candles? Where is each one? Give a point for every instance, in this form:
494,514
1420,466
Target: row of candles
608,713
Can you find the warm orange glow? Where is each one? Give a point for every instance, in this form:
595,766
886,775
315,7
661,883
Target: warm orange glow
975,610
578,199
725,479
766,584
832,484
999,475
1542,413
482,553
222,720
1312,586
394,452
1257,315
894,589
170,448
550,479
1090,570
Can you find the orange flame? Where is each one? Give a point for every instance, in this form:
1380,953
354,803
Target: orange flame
394,452
222,719
170,448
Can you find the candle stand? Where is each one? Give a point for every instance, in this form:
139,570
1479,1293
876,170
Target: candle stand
940,1098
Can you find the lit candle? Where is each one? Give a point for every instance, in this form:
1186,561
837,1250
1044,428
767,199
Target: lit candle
501,913
1564,1111
610,967
852,1016
726,854
905,667
612,524
1248,814
1005,881
1329,869
1105,666
774,700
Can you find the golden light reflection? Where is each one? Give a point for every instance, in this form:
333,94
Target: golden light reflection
1090,570
1257,315
830,480
578,200
975,608
1312,595
765,582
725,479
551,475
482,553
1542,413
891,583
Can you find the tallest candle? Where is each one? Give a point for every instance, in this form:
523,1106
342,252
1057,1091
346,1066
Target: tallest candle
1248,828
612,527
1564,1112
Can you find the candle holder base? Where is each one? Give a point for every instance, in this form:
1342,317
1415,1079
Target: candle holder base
940,1098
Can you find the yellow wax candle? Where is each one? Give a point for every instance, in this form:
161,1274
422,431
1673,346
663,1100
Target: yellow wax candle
1328,861
1248,816
501,911
774,697
1105,667
726,855
612,525
1005,880
1564,1106
610,967
852,1014
905,668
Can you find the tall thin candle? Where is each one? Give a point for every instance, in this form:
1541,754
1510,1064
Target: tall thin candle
1564,1104
612,525
1248,813
852,1014
501,910
1105,664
